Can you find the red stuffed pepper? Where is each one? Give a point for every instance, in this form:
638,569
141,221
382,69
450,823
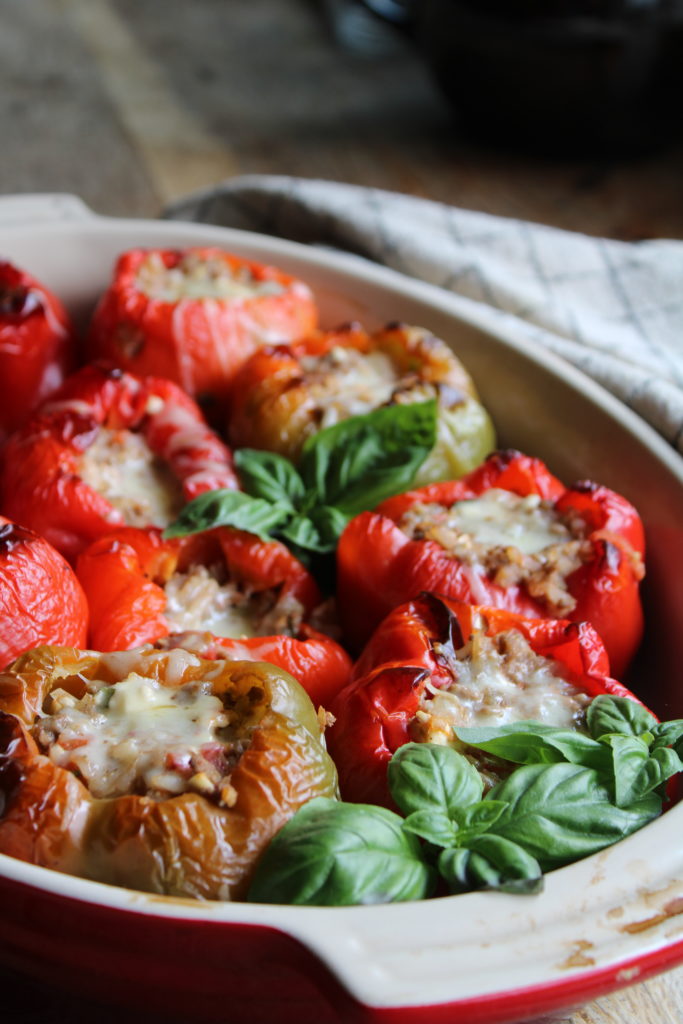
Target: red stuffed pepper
195,315
223,593
435,664
110,449
508,535
286,393
36,345
154,770
41,600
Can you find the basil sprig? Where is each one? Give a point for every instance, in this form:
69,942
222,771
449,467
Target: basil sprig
573,795
344,469
632,753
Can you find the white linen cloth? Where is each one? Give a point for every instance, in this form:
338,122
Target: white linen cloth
614,309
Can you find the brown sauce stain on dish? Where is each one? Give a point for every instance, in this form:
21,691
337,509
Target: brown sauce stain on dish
671,909
580,957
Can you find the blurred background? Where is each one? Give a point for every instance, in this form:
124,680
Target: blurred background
552,111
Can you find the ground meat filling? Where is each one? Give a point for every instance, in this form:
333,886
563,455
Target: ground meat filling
198,277
497,680
204,599
516,541
138,736
121,466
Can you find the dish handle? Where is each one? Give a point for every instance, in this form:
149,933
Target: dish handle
41,208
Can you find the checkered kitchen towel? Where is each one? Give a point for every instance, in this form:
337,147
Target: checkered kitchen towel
613,309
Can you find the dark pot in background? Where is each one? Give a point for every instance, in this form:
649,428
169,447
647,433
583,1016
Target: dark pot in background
555,76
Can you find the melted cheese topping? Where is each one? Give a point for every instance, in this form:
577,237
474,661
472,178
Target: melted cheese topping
120,466
501,518
345,382
497,680
196,277
135,735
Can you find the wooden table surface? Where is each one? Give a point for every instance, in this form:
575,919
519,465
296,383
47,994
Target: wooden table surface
130,104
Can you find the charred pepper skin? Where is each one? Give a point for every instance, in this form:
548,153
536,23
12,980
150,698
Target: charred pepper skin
41,600
123,575
40,485
276,403
379,566
186,845
198,342
405,654
37,345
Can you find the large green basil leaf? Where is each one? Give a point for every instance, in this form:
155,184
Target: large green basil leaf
561,812
424,776
229,508
356,464
536,743
336,854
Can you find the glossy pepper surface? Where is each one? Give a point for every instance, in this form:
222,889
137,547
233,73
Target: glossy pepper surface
41,600
285,393
194,315
42,484
124,575
184,845
380,566
409,654
36,345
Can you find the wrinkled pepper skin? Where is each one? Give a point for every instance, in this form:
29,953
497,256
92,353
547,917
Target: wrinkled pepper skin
405,654
198,342
40,485
379,566
37,345
185,845
123,575
276,403
41,600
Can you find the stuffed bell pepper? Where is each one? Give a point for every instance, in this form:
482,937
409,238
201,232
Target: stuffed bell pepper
509,535
435,665
286,393
223,593
109,449
41,600
36,345
195,315
157,771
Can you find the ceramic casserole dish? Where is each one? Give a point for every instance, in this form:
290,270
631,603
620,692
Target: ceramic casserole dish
606,921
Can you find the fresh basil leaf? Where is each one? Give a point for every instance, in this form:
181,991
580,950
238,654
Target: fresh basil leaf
430,776
561,812
302,533
337,854
269,476
607,715
229,508
491,862
356,464
330,523
477,818
669,734
635,772
536,743
433,825
669,760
